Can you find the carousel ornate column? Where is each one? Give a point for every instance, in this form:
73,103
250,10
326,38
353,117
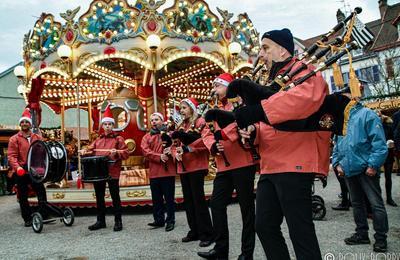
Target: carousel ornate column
153,42
65,53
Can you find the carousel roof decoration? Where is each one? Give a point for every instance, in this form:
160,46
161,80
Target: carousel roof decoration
192,21
108,49
44,38
108,22
246,34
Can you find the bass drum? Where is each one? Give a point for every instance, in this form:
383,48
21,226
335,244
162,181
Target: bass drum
47,161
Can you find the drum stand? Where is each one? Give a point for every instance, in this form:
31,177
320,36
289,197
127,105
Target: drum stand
65,215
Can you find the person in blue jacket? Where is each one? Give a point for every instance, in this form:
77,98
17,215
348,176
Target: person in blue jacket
358,155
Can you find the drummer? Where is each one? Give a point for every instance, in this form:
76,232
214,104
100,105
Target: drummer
18,148
112,145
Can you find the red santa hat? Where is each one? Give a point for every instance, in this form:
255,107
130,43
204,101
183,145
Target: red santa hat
193,104
26,115
159,115
224,79
108,116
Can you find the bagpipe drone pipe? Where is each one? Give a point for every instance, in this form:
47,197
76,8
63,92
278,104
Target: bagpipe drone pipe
330,116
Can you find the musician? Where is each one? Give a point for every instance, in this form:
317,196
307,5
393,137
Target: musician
289,160
162,172
192,166
239,175
112,145
18,148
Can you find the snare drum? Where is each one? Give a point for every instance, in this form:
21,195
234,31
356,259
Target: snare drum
47,161
95,168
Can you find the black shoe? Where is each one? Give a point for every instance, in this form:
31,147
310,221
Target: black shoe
243,257
391,202
169,227
97,225
28,223
212,254
342,206
189,239
10,193
205,243
156,225
380,246
118,225
357,239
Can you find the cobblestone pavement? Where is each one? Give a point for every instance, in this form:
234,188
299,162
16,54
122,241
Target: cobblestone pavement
138,241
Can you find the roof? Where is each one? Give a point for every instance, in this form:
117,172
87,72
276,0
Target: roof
386,35
7,71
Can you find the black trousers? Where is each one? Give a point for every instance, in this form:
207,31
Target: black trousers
388,179
10,182
197,214
343,188
241,180
286,195
163,189
22,184
100,190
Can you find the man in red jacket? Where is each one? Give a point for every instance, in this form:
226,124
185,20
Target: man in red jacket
113,146
289,160
162,172
239,176
18,148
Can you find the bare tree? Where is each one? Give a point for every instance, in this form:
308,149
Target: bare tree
388,64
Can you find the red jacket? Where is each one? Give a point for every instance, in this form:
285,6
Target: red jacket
111,141
18,147
237,156
152,149
198,157
283,151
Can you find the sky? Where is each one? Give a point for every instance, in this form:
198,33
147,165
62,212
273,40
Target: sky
305,18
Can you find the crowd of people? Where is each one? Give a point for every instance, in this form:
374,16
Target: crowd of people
288,164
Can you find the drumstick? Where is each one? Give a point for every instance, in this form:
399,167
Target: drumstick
102,150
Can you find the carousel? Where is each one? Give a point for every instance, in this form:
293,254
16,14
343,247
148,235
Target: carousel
138,58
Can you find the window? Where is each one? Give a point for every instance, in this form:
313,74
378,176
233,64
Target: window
396,66
121,117
370,74
333,86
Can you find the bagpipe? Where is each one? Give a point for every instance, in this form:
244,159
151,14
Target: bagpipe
166,142
178,135
223,118
330,116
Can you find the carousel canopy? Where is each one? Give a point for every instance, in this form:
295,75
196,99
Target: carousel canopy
178,50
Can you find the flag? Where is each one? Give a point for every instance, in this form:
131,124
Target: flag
361,34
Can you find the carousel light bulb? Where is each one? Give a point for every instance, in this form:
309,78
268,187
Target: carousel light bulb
64,52
20,72
21,89
153,41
